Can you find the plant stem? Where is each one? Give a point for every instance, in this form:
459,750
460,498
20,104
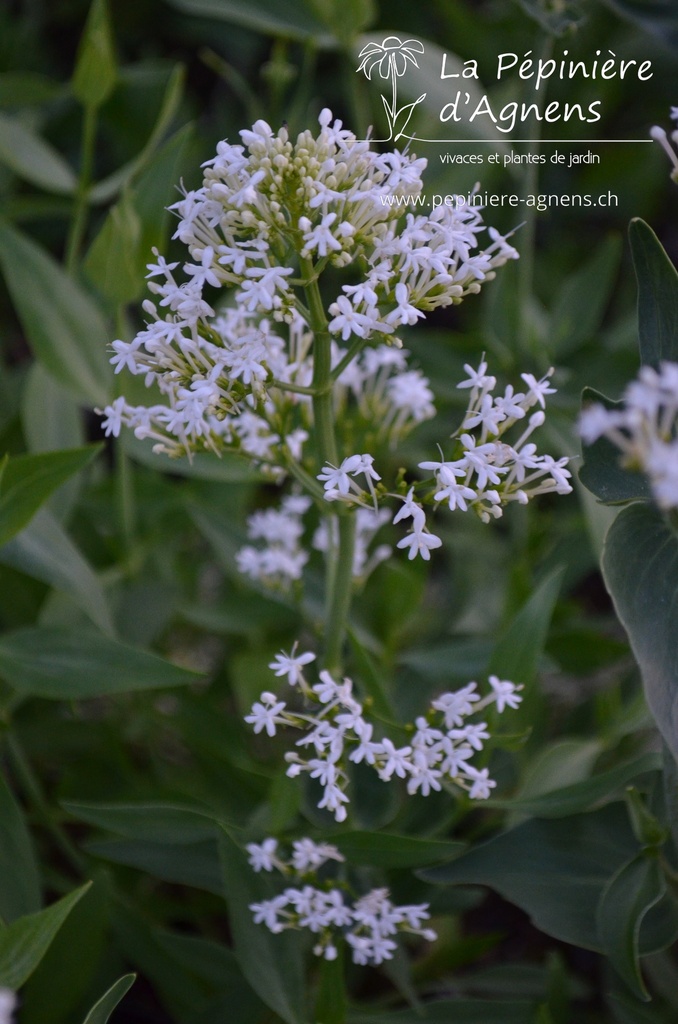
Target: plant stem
79,221
34,794
340,586
340,556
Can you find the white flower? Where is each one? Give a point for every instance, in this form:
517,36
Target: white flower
265,714
291,665
505,693
481,784
309,856
8,1003
262,857
421,543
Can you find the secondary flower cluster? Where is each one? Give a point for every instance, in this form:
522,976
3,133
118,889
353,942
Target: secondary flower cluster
669,143
440,744
644,429
266,222
366,924
485,473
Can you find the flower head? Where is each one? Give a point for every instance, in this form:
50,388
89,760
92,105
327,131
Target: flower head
390,57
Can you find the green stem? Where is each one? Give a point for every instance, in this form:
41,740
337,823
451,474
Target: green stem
351,353
340,588
297,389
33,792
79,221
340,558
323,412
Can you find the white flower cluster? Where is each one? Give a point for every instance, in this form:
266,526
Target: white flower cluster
440,748
281,558
261,219
486,472
391,399
669,143
645,429
366,924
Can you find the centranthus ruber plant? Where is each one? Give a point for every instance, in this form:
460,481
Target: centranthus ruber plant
280,342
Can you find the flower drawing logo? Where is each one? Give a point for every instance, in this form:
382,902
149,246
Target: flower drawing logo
390,58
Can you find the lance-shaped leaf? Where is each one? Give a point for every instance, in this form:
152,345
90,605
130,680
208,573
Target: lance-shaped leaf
33,159
287,18
95,69
109,187
19,877
657,296
103,1008
28,480
24,942
640,566
44,551
271,963
626,899
75,664
63,324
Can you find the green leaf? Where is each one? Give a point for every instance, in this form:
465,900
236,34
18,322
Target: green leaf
19,876
344,18
102,1010
658,17
446,1011
626,899
62,983
554,870
63,325
96,67
520,646
582,299
52,420
287,18
112,260
581,796
331,1003
170,824
155,188
197,980
272,964
192,864
640,566
371,678
28,480
657,296
32,159
27,89
106,189
384,850
230,468
74,664
602,472
24,942
44,551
